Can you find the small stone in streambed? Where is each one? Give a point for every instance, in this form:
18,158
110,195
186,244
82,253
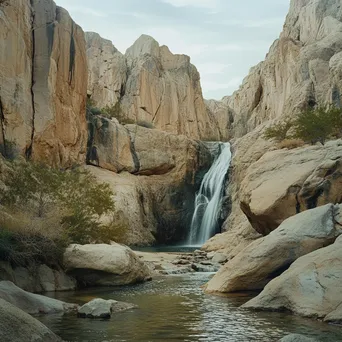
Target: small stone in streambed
205,268
101,308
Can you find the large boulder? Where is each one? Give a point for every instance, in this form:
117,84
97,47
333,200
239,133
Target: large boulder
285,182
105,265
18,326
33,303
269,256
101,308
311,287
150,84
44,86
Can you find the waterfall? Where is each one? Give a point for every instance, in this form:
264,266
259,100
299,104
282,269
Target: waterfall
208,199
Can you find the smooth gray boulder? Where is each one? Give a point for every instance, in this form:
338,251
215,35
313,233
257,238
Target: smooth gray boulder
101,308
32,303
18,326
266,258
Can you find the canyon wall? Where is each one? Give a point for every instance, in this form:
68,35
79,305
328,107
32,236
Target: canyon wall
150,84
302,68
43,73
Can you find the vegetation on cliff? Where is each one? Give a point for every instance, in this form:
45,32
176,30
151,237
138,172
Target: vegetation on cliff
310,126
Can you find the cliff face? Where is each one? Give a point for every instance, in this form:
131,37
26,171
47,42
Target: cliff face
302,68
267,185
43,72
151,84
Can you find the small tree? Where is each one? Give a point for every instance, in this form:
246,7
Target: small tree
317,125
81,200
278,131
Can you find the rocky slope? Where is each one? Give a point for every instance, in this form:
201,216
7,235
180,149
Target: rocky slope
159,175
42,105
302,68
151,84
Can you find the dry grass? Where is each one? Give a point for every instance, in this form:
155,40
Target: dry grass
290,143
25,240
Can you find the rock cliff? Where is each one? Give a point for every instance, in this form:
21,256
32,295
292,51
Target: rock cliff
43,72
159,173
303,68
150,84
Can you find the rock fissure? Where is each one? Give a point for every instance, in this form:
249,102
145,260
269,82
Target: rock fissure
29,148
3,148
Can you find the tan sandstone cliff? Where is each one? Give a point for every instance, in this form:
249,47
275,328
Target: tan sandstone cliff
151,84
43,76
267,185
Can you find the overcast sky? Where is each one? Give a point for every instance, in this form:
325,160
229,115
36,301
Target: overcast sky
224,38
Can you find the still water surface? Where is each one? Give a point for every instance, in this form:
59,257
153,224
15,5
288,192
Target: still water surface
174,308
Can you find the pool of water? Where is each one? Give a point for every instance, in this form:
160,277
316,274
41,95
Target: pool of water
174,308
167,249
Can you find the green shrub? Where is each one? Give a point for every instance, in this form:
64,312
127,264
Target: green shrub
146,124
278,131
318,125
311,126
80,200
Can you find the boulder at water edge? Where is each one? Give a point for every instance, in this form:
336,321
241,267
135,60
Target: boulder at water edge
18,326
105,265
269,256
311,287
32,303
101,308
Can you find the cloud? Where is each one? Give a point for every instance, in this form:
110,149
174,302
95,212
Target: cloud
86,11
247,23
211,4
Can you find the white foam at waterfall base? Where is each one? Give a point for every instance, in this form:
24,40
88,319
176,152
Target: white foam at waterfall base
209,199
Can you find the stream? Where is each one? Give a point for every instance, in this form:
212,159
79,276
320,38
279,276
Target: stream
174,308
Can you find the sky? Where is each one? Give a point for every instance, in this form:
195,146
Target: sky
224,38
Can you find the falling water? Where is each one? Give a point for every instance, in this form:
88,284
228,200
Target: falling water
208,199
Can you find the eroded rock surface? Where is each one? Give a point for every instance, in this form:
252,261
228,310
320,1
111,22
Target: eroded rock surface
160,190
40,278
33,303
44,73
151,84
310,287
17,326
106,265
267,257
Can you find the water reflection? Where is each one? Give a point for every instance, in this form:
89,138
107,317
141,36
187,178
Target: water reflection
175,309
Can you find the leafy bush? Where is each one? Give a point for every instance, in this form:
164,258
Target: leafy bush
278,131
146,124
317,125
74,198
311,126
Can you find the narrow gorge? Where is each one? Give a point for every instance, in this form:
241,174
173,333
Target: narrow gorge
127,196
